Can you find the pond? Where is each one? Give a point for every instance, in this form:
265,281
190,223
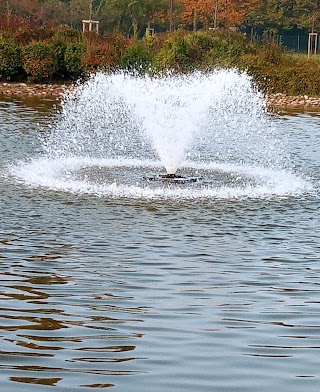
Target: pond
109,281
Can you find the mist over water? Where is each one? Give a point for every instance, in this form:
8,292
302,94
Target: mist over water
114,129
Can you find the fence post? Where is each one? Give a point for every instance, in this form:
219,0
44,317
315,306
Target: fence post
312,44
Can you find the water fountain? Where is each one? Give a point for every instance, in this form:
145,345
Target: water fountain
210,132
112,279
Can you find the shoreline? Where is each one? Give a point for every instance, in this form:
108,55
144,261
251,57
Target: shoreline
56,91
284,101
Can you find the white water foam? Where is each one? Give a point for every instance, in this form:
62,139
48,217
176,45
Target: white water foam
59,174
113,129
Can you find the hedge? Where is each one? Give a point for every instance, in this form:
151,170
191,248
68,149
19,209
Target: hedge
68,54
10,58
39,61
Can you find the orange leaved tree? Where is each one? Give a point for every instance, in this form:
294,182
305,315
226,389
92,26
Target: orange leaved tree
216,13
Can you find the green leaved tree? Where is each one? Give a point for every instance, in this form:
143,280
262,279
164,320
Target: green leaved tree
273,16
130,16
307,14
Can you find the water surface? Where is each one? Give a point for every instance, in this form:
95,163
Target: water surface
214,293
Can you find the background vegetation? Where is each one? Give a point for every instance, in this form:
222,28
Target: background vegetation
41,40
131,17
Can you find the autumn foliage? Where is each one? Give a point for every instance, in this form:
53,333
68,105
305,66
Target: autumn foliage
132,17
216,13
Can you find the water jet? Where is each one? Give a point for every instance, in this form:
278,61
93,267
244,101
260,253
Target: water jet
210,132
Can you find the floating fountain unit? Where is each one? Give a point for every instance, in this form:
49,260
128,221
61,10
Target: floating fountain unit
172,178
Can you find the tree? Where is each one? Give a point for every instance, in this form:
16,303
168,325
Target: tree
39,11
55,11
214,13
238,11
278,15
196,11
30,10
129,16
79,10
307,14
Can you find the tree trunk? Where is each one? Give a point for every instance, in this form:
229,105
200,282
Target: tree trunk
194,20
8,13
215,16
135,28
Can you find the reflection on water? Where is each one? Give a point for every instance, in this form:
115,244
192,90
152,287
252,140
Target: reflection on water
33,380
138,295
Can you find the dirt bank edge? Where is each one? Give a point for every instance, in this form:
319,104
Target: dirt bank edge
56,91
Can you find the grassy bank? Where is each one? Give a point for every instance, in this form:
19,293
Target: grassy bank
66,54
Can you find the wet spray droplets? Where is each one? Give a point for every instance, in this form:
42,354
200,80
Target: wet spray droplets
116,129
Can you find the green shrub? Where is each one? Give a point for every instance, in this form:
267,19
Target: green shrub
173,54
105,53
94,59
73,59
297,77
60,40
202,50
272,53
291,75
59,47
114,45
44,33
219,53
197,46
137,57
226,50
24,35
67,34
10,59
39,61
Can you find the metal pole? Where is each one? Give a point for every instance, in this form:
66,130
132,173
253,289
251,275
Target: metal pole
8,13
171,15
90,9
215,15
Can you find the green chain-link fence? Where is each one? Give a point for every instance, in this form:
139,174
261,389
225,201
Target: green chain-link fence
295,43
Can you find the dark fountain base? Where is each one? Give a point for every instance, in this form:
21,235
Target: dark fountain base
172,178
